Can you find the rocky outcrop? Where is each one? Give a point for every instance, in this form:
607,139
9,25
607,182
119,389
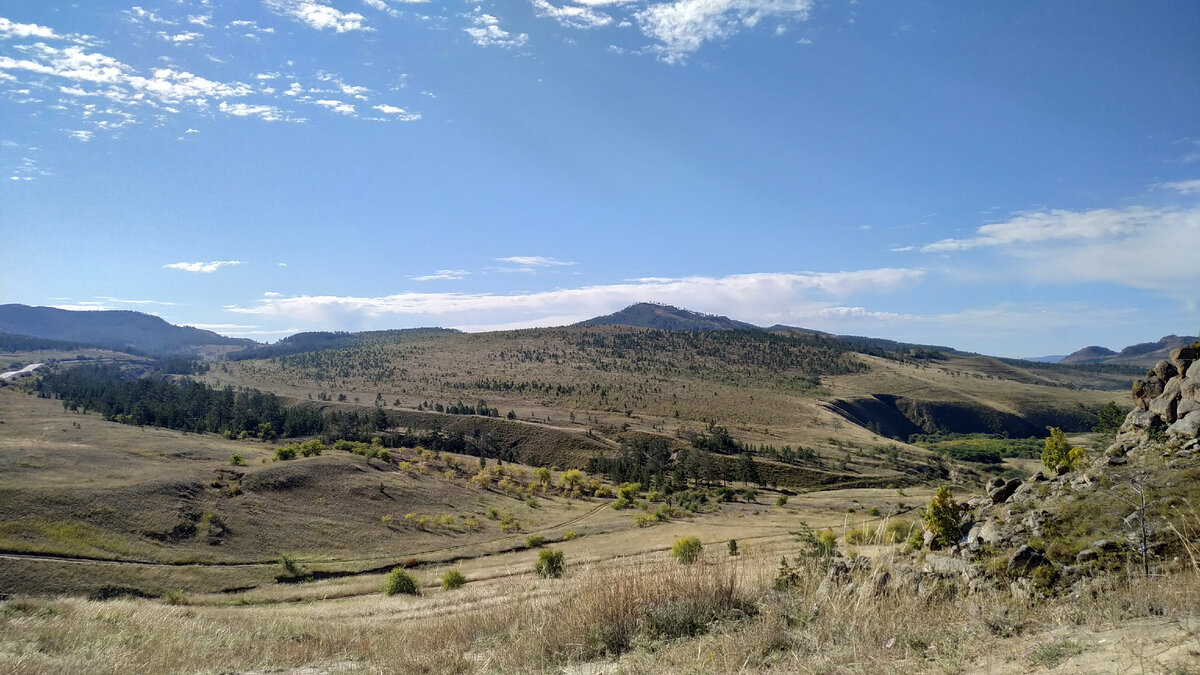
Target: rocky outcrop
1166,405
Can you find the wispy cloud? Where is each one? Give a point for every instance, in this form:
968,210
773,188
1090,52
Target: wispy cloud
1118,246
318,15
534,261
1187,187
121,301
574,16
683,26
448,275
1054,225
203,267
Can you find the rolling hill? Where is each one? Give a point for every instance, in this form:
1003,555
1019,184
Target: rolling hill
116,329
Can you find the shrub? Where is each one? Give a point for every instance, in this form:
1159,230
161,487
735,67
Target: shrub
400,581
569,535
733,547
1057,450
535,541
236,460
781,500
941,517
644,520
453,579
549,563
285,453
895,532
176,598
856,537
687,550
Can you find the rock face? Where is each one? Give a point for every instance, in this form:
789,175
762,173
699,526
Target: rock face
1166,403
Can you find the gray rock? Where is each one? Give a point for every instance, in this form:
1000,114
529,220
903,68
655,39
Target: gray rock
1165,370
1183,357
1140,419
1002,492
1105,546
1086,555
1025,559
1166,404
1187,427
1187,405
1115,461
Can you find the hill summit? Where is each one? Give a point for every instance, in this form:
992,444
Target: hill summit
667,317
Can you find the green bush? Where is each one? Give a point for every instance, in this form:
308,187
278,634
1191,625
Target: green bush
453,579
549,563
687,550
534,541
569,535
733,547
1057,450
781,500
400,581
856,537
236,460
285,453
941,517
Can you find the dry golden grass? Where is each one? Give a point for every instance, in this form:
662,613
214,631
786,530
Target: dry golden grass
715,617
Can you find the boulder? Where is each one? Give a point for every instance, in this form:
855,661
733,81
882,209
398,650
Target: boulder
1145,390
1086,555
1139,419
1000,493
1165,370
1183,357
1025,559
1186,427
1186,406
1165,404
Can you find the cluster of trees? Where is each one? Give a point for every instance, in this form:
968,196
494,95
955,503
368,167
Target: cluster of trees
460,408
648,460
177,403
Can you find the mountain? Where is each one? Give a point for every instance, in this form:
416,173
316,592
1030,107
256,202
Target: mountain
116,329
666,317
1052,358
1144,353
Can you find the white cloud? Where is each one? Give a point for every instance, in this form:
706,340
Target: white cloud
766,298
81,135
336,106
683,26
572,15
267,113
398,113
534,261
448,275
11,29
319,15
204,267
486,32
1139,247
106,298
1055,224
179,38
1187,187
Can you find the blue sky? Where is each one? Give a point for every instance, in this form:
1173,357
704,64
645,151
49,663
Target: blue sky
1016,178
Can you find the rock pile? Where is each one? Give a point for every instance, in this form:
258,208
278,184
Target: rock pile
1166,405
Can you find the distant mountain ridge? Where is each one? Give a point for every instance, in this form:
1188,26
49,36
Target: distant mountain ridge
1143,353
120,330
667,317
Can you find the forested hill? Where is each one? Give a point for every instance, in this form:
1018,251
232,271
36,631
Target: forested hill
115,329
666,317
